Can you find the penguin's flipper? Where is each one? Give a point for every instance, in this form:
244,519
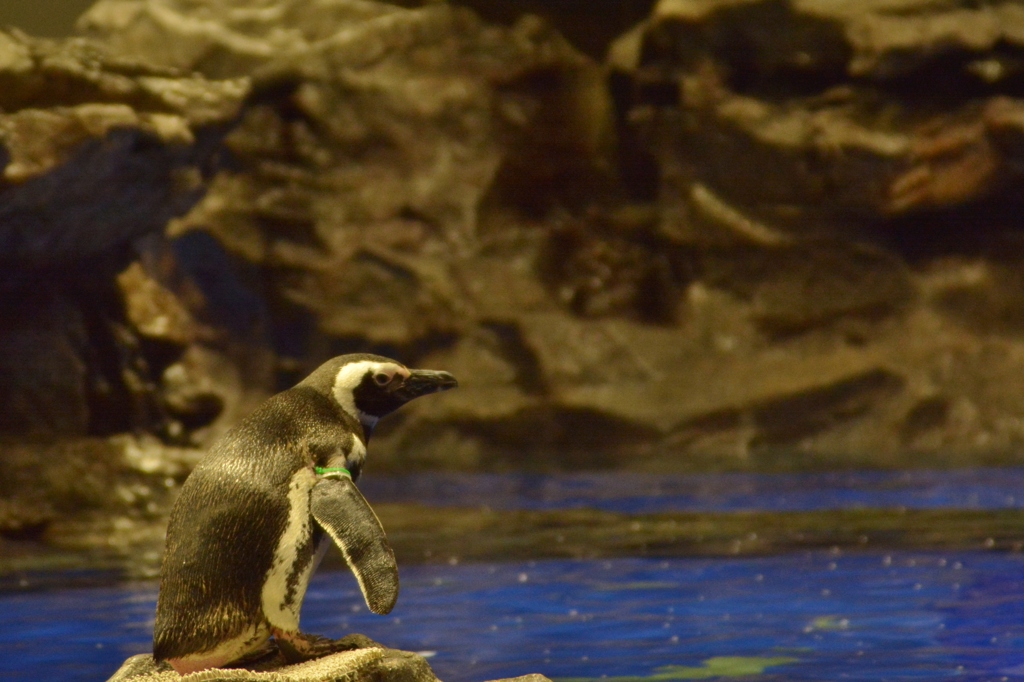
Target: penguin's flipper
343,512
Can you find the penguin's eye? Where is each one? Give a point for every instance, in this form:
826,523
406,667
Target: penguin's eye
381,379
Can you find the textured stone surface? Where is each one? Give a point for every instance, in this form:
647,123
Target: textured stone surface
110,148
876,108
726,265
361,665
98,154
742,249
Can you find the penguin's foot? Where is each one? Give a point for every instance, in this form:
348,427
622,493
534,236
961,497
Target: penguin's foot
298,646
267,656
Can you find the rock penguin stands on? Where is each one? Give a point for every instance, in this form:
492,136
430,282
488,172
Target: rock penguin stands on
247,531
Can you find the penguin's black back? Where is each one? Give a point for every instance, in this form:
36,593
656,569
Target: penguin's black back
225,525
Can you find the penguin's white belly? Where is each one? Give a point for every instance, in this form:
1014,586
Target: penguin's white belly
284,586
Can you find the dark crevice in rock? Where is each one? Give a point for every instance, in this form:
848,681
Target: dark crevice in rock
514,347
590,25
637,166
230,287
927,415
555,438
926,236
801,287
764,47
788,420
552,166
614,264
784,421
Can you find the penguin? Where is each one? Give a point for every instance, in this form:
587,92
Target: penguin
257,512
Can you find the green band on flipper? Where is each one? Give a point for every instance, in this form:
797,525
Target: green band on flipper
333,472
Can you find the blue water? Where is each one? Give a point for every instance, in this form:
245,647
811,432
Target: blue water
993,488
866,615
862,616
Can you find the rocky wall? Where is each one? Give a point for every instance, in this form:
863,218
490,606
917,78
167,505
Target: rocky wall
757,234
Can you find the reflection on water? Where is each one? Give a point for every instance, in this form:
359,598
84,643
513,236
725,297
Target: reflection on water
639,493
802,616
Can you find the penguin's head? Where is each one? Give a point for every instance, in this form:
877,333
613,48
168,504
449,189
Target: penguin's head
369,387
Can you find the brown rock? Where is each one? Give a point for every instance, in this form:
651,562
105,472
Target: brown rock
420,183
97,152
153,310
363,177
854,107
361,665
143,135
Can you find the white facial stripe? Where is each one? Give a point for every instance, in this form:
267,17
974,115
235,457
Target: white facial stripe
348,380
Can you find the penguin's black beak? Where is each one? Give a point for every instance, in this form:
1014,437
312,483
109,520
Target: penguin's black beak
424,382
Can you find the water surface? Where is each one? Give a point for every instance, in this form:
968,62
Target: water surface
865,614
984,488
819,616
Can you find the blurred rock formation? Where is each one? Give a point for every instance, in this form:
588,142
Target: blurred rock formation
761,234
99,153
